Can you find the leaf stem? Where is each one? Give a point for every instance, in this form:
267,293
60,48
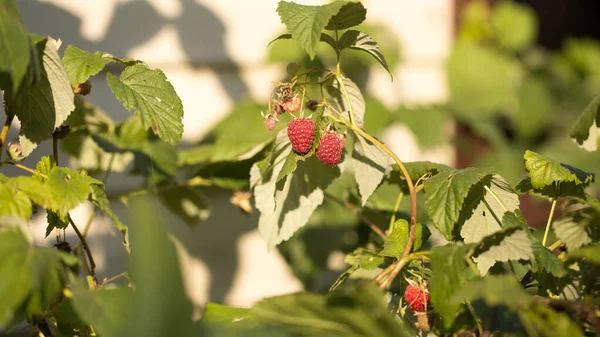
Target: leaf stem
358,214
23,167
116,277
495,196
86,247
5,129
396,207
549,222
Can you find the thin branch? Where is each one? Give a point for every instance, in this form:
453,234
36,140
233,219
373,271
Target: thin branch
23,167
357,213
549,222
109,280
85,246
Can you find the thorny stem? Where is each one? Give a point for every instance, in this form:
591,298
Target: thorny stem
85,246
5,128
354,211
549,222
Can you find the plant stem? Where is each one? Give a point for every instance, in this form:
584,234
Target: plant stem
489,190
354,211
396,207
398,265
23,167
550,216
5,129
555,245
196,181
85,246
55,149
106,281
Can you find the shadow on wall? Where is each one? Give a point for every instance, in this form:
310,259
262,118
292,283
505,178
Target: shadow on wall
201,35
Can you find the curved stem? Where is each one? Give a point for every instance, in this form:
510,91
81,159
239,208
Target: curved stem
549,222
85,247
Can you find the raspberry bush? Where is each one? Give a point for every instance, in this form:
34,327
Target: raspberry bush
308,165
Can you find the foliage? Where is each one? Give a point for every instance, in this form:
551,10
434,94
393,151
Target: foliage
493,275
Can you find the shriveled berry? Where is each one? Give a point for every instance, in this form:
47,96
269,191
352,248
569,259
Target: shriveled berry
83,88
301,133
291,105
329,151
417,299
311,105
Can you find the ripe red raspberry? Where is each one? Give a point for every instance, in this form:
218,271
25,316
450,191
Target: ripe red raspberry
301,133
417,299
329,151
291,105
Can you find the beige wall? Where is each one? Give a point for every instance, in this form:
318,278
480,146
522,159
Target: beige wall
214,53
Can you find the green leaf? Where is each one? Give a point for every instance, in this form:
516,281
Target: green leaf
589,253
32,278
536,101
46,104
416,170
481,81
286,205
35,190
449,275
344,312
587,130
103,308
339,102
195,155
351,14
81,64
365,259
552,178
189,203
550,323
370,164
354,39
445,194
324,38
511,243
69,188
573,229
495,290
99,198
306,23
487,216
150,94
15,51
396,241
13,202
230,319
45,165
430,134
55,220
514,25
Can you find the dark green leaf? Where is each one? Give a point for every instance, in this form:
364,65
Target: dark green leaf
396,241
305,23
55,220
587,130
449,275
357,40
150,94
324,38
15,51
495,290
445,194
45,105
351,14
81,64
104,309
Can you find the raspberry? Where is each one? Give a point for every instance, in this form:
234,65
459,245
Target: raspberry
329,151
416,298
291,105
270,123
342,141
301,133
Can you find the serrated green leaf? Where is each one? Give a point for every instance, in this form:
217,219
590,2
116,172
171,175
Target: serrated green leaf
511,243
481,81
514,25
150,94
416,170
573,230
487,216
286,205
189,203
99,198
369,164
55,220
14,202
35,190
324,38
45,165
586,132
552,178
589,253
81,64
445,194
396,241
339,102
344,312
364,258
103,308
68,188
351,14
15,51
495,290
32,278
354,39
449,275
306,23
45,105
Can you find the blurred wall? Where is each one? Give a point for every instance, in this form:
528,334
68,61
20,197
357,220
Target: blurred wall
213,52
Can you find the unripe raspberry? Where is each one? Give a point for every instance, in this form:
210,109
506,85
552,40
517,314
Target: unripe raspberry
291,105
301,133
329,151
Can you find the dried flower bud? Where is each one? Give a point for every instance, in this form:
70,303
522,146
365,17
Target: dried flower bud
15,152
83,88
